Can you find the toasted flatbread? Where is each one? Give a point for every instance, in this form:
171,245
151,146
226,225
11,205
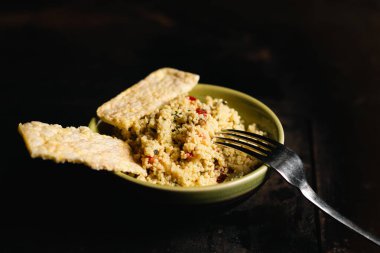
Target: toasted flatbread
78,145
146,96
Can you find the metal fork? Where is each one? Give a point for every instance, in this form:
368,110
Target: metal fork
287,163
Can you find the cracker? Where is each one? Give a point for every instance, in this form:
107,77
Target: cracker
146,96
78,145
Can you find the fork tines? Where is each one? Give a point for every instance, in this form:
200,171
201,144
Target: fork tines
253,144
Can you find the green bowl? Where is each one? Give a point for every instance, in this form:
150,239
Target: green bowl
251,110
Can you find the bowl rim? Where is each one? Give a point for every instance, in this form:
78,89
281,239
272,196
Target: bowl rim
226,185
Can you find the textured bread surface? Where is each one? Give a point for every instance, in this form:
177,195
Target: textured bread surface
78,145
146,96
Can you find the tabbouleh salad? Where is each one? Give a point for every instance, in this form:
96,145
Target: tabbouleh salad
175,143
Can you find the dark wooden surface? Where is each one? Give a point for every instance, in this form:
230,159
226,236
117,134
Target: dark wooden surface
315,63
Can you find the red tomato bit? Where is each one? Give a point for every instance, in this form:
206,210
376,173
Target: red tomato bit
191,98
201,111
150,159
189,155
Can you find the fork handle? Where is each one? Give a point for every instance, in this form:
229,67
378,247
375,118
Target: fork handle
310,194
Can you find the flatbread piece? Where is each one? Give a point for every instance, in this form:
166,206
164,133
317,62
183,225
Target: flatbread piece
78,145
146,96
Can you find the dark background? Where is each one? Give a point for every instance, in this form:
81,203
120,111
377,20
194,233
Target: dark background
315,63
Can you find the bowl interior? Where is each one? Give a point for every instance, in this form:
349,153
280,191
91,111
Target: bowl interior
252,111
